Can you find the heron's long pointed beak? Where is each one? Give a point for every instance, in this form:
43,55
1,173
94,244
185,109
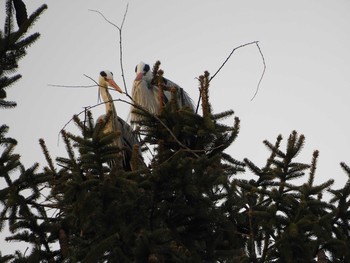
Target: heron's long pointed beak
139,76
112,83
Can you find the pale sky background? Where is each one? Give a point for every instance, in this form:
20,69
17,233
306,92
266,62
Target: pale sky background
305,87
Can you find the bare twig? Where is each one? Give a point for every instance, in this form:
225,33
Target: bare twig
85,108
121,48
126,11
262,74
229,56
107,88
72,86
92,10
120,41
91,79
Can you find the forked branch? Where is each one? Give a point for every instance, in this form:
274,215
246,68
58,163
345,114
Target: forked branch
120,29
229,56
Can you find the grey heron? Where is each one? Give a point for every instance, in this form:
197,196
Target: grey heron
128,138
145,93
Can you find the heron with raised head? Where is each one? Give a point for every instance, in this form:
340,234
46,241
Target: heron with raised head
127,138
146,94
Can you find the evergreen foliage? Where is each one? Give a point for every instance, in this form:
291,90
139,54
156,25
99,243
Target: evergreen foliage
286,222
25,217
166,212
188,178
13,45
188,204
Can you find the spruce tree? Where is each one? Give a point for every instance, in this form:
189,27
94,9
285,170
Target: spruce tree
25,217
167,212
284,221
185,205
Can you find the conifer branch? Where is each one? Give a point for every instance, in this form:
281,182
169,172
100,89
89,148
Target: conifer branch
313,168
204,93
345,167
47,155
21,12
14,44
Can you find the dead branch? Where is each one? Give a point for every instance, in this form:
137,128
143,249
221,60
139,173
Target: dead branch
72,86
262,74
107,88
229,56
120,41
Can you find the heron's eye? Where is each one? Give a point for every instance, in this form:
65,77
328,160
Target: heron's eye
136,69
103,74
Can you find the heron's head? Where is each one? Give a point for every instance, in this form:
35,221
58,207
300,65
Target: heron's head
143,72
106,79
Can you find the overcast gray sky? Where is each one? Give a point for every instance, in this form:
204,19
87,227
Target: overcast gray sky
305,87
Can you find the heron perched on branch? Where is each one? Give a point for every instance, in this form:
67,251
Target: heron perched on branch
145,92
127,138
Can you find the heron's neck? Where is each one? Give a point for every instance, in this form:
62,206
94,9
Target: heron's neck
107,98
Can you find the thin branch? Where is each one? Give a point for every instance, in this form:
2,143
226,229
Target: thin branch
107,88
36,217
120,41
263,73
192,151
229,56
126,11
121,49
108,21
72,86
81,86
24,254
91,79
